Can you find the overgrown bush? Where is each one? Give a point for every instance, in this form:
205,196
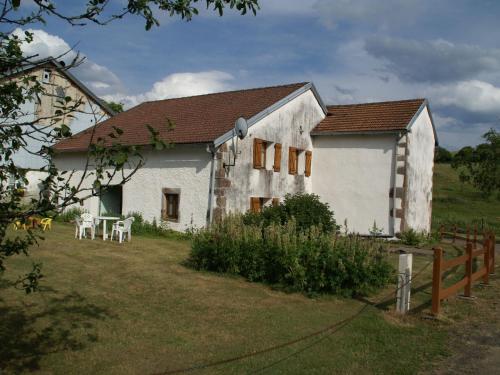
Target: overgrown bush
411,237
69,214
301,260
306,209
145,228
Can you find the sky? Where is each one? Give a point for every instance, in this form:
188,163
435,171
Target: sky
353,50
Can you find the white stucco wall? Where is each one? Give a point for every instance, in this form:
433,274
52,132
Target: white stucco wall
88,114
419,171
354,174
183,167
290,126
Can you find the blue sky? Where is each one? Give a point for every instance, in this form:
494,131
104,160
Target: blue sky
353,50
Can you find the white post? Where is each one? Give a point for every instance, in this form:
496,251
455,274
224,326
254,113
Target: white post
404,283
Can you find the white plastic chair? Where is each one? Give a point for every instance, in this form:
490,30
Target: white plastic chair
121,227
86,221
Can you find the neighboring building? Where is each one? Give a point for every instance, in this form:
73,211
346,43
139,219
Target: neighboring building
58,83
370,162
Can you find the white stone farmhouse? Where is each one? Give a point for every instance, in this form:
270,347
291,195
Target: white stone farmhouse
57,83
371,162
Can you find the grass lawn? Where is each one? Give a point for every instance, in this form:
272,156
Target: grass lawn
461,204
134,308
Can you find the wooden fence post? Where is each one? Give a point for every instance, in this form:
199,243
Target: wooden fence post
492,252
468,235
475,236
486,248
436,280
468,270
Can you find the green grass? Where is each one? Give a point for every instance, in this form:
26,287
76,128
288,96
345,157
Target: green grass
106,308
461,204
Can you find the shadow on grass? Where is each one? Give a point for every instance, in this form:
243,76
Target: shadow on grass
30,332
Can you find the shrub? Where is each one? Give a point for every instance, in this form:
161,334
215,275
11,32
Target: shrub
411,237
145,228
309,260
306,209
69,214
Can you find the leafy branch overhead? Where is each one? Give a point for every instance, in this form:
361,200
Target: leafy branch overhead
26,131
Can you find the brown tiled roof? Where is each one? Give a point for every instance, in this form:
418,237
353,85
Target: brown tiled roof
369,117
196,119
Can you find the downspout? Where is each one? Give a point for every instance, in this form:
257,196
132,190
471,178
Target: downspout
213,150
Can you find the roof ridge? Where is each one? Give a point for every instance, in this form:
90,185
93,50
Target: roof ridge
379,102
228,92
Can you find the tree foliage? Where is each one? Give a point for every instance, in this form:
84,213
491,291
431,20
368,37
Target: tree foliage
480,165
107,159
116,107
442,155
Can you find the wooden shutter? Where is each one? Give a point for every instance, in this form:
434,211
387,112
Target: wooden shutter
307,172
257,153
276,202
292,160
255,204
277,157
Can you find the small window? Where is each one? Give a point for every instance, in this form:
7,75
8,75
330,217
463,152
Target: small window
46,76
259,154
276,202
170,205
277,157
60,94
293,160
307,170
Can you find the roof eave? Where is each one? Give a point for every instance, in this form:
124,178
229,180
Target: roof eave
425,104
259,116
361,132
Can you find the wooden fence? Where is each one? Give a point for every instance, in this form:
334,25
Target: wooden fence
486,250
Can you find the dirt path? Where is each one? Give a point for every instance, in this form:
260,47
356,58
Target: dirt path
475,340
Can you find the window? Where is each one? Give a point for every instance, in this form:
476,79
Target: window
46,76
307,170
293,160
60,94
259,154
170,205
277,157
276,202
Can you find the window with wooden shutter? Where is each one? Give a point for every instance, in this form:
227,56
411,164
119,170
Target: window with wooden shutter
307,171
255,204
259,154
293,160
277,157
170,205
276,202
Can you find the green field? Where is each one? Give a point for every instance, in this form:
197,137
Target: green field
106,308
134,308
461,204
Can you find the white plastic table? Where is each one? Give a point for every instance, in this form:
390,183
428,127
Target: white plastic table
104,229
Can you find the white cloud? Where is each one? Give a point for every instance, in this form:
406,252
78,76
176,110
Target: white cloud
433,61
473,96
179,85
98,77
382,13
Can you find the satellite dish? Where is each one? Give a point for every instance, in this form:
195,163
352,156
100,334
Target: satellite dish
241,127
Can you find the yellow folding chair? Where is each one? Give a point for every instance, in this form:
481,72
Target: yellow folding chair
18,225
46,223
